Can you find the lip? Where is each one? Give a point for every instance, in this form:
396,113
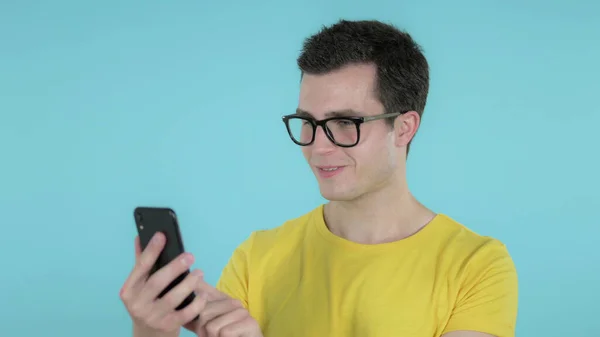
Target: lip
329,171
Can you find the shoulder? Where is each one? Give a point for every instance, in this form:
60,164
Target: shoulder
260,248
260,242
477,262
484,279
461,242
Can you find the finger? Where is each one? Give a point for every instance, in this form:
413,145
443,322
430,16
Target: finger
148,257
218,308
138,252
245,327
214,326
176,295
138,248
144,264
190,312
165,275
213,293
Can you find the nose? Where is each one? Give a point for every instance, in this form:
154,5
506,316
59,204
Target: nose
322,144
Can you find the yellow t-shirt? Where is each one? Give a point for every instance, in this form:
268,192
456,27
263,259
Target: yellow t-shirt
299,279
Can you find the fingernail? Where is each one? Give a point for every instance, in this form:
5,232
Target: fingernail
187,259
157,238
197,273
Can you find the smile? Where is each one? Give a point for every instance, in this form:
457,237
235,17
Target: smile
329,171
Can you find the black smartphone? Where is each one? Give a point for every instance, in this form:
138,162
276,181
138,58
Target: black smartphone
150,220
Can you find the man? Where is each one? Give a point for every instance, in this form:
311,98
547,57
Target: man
373,261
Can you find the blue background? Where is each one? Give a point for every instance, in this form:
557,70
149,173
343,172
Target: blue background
108,105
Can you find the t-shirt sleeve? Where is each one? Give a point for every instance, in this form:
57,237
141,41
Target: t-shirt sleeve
488,295
234,277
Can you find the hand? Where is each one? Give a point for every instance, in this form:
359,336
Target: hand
155,316
223,316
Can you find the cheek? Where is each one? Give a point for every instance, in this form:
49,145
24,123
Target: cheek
373,156
306,152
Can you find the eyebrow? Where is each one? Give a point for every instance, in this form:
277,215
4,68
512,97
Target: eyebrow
335,113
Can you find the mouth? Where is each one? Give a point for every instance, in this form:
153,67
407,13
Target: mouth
329,171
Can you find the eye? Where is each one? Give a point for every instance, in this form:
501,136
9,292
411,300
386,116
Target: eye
344,122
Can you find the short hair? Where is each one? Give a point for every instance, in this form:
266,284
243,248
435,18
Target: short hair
402,81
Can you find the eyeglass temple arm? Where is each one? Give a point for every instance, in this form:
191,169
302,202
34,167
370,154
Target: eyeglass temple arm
388,115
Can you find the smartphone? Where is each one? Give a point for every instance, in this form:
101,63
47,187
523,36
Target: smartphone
150,220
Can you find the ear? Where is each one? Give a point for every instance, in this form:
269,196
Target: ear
405,127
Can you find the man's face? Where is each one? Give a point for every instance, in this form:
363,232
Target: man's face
348,173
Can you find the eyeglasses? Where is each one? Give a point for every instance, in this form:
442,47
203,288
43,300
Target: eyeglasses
342,131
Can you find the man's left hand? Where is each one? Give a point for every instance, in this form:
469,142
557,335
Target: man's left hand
223,316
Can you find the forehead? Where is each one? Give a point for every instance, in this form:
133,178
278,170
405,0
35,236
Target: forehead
349,89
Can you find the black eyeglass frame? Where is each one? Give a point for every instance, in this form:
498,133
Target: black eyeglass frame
322,123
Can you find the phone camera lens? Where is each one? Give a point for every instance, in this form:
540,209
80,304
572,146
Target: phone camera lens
138,217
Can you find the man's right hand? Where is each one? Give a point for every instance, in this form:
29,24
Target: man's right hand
153,316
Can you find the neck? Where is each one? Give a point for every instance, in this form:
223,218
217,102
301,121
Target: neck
385,215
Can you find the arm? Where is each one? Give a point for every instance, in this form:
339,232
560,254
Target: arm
221,316
467,334
488,297
235,276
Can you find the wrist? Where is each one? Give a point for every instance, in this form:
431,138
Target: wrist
141,331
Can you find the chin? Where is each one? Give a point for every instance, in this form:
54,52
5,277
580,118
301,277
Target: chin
337,194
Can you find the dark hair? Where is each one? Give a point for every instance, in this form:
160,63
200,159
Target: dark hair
402,82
